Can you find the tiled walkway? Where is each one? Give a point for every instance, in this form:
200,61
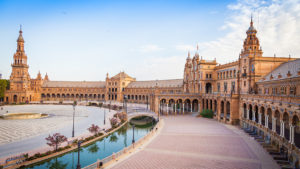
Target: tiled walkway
190,142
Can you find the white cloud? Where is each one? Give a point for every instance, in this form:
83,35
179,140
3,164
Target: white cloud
277,22
185,47
150,48
160,68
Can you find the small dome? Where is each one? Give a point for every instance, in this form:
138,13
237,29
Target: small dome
20,38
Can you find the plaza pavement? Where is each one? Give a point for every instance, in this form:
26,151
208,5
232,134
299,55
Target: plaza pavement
190,142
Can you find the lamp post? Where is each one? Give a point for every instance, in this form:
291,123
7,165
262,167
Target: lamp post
78,163
133,141
147,102
74,105
125,103
109,105
104,116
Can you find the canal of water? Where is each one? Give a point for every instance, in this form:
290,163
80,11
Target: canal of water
98,150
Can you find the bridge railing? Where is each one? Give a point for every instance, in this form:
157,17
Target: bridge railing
131,147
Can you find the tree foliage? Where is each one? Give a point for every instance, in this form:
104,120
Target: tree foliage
55,140
94,129
4,85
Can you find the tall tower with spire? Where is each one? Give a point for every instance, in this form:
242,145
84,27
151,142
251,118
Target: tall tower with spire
20,79
251,47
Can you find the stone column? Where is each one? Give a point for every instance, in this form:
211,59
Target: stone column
280,128
253,116
283,128
183,108
292,134
191,107
274,124
199,107
259,118
167,108
248,111
266,121
175,108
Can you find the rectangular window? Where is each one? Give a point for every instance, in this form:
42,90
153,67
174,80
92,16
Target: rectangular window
233,87
225,86
219,87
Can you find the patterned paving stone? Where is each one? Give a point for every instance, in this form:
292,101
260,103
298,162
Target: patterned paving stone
188,142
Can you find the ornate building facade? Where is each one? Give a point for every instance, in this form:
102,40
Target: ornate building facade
263,92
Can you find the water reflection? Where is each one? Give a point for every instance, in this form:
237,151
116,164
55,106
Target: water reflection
98,150
93,148
56,164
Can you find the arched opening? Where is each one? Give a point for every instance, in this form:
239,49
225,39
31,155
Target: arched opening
48,95
58,95
162,105
210,104
143,97
245,110
203,104
208,88
72,96
195,105
277,116
222,110
187,105
250,112
296,124
216,108
286,126
206,101
103,96
16,98
179,106
269,111
53,95
95,96
256,113
228,111
262,110
171,106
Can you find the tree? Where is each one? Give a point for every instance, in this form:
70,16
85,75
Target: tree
4,85
55,140
94,129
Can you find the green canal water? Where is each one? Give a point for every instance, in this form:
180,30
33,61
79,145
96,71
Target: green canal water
98,150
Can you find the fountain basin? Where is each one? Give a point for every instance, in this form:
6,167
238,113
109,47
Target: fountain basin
22,116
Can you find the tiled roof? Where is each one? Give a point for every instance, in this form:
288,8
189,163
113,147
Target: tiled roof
121,75
291,66
153,83
86,84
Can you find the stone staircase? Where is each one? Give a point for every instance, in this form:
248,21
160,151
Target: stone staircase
279,157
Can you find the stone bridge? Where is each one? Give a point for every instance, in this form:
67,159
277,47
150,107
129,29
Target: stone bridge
136,112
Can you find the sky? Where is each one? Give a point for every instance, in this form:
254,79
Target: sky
149,40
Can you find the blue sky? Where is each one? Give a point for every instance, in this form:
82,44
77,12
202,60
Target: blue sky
83,40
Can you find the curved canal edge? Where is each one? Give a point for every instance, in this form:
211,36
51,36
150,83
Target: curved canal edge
73,147
125,153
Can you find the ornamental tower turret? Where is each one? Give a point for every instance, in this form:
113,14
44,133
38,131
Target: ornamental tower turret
19,78
251,47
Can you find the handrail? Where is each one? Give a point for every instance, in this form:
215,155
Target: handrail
123,151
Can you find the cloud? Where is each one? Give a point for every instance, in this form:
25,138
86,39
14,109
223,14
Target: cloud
277,23
150,48
160,68
185,47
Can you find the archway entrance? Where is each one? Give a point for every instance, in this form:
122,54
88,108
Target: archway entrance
15,98
208,88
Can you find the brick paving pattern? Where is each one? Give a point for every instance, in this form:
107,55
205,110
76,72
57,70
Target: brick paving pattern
190,142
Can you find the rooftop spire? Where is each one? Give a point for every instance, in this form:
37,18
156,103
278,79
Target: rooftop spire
251,23
20,38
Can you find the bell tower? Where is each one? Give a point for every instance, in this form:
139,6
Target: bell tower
251,47
19,78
